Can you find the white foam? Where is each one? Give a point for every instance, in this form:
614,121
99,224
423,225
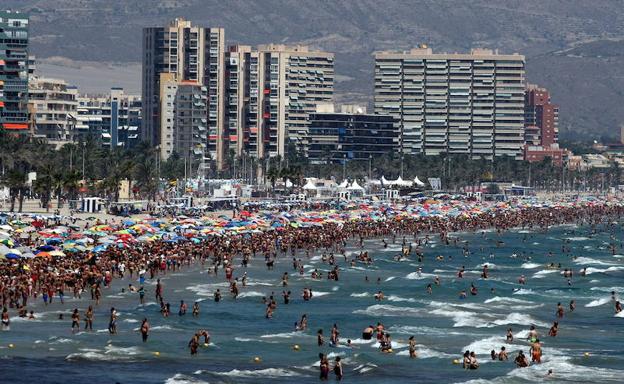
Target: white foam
179,378
250,294
320,294
590,261
530,265
591,270
399,299
388,310
361,294
110,353
598,302
507,300
544,273
415,276
390,278
578,238
258,373
284,335
524,291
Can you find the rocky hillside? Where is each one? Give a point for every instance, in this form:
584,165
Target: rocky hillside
574,48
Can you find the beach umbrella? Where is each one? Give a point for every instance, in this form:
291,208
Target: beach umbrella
46,248
43,254
12,256
7,242
4,235
56,253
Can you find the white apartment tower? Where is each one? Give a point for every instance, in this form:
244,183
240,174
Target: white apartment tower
270,93
454,103
189,54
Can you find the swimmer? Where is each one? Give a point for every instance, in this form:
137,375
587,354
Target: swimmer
536,352
75,326
412,347
502,355
521,360
145,330
560,310
532,335
554,329
367,333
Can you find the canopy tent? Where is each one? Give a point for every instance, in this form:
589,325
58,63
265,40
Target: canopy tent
288,183
355,186
399,181
344,184
384,181
418,182
309,186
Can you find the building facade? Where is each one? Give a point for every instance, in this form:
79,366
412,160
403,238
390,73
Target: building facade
184,107
113,120
453,103
14,71
271,91
53,109
187,53
351,135
541,117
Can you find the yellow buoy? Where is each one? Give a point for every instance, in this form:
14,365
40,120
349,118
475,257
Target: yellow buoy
205,344
11,345
586,354
456,361
296,347
257,359
157,353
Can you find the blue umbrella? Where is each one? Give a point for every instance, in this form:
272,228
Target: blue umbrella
46,248
12,256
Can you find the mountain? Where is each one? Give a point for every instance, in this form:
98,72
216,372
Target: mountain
576,49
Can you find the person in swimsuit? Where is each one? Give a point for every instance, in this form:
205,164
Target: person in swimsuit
412,347
367,334
532,335
112,324
89,318
338,368
193,344
521,360
502,355
554,329
509,336
196,309
536,352
75,320
145,330
324,367
6,322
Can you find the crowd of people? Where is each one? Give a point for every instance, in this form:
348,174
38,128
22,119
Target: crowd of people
87,273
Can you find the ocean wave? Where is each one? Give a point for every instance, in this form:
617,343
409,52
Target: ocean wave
390,278
507,300
524,291
399,299
361,294
415,276
530,265
110,353
253,373
591,270
590,261
388,310
598,302
578,238
179,378
250,294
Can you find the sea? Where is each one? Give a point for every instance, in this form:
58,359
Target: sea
248,348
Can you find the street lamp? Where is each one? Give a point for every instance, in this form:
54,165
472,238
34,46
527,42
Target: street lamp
370,166
344,166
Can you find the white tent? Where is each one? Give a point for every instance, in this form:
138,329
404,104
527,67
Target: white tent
384,181
418,182
373,182
355,187
288,183
309,186
402,182
344,184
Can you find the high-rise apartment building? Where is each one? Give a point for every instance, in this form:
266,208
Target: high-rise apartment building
271,91
187,53
541,117
184,107
14,71
453,103
114,120
52,106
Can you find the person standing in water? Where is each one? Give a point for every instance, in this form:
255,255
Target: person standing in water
412,347
536,352
112,324
338,368
89,319
145,329
75,320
